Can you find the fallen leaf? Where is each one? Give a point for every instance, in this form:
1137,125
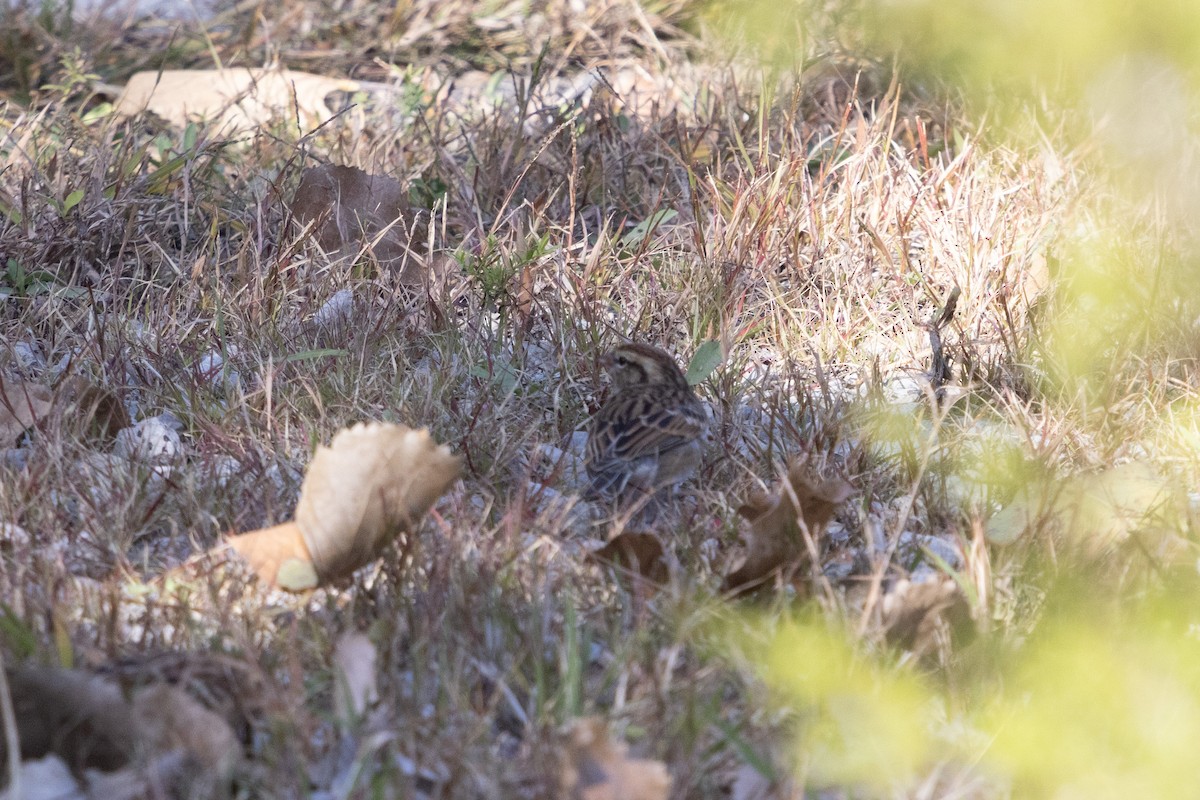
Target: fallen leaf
22,404
168,720
353,212
372,485
913,612
600,769
776,541
640,552
705,360
279,556
239,98
97,412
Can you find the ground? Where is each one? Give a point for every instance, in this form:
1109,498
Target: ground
948,350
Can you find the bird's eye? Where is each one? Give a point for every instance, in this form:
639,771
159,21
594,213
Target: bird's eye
622,360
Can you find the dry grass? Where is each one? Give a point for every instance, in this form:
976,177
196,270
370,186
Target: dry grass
814,231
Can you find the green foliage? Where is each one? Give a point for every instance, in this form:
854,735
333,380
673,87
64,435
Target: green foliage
17,281
1096,704
705,360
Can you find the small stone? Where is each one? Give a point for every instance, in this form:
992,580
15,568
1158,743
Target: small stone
943,548
149,441
29,356
334,317
14,536
213,368
14,458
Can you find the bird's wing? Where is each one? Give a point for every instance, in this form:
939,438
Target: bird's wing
638,425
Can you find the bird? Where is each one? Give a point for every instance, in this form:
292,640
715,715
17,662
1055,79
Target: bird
647,435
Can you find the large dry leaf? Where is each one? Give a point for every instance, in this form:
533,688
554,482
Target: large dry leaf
776,541
97,412
913,613
279,555
22,404
640,552
238,97
598,768
168,720
353,212
373,484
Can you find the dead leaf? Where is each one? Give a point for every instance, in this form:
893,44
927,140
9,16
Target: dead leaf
168,720
776,540
640,552
22,404
95,410
373,484
238,98
353,212
279,556
600,769
913,612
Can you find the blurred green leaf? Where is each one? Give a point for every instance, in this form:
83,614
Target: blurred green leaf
313,355
705,360
648,226
72,200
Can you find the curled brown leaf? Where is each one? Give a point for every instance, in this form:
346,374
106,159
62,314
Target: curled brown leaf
786,527
353,212
598,768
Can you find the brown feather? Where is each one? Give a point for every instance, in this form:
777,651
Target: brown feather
644,433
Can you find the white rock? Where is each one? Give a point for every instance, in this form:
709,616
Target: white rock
213,368
14,458
224,468
150,441
29,356
14,535
46,779
943,548
336,312
566,465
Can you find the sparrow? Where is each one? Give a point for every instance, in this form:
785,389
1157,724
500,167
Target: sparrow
647,434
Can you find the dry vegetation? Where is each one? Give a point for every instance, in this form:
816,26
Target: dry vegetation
814,223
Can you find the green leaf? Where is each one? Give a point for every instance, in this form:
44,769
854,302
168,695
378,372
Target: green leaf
707,358
313,355
19,637
97,114
72,200
503,376
647,226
